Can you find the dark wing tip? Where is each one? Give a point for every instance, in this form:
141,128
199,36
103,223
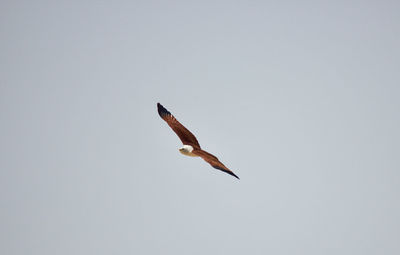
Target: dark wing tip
231,173
162,111
226,171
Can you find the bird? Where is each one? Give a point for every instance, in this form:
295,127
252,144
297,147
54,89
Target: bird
191,146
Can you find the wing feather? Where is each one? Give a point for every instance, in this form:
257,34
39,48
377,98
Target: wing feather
213,161
183,133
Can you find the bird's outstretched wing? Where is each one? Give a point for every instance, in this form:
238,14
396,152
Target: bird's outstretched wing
185,135
213,161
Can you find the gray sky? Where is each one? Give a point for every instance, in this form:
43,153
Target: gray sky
301,100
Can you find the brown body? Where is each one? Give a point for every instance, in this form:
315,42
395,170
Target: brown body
191,146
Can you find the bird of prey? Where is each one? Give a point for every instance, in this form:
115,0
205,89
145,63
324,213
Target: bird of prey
191,146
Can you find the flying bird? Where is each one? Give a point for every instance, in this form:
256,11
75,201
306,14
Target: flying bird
191,146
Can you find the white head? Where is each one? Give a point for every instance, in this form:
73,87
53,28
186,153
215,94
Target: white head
186,150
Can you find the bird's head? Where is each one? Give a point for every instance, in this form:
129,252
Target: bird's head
186,149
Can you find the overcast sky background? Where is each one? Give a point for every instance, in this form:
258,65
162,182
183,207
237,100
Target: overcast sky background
299,98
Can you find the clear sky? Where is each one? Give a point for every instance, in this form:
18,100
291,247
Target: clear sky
300,99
